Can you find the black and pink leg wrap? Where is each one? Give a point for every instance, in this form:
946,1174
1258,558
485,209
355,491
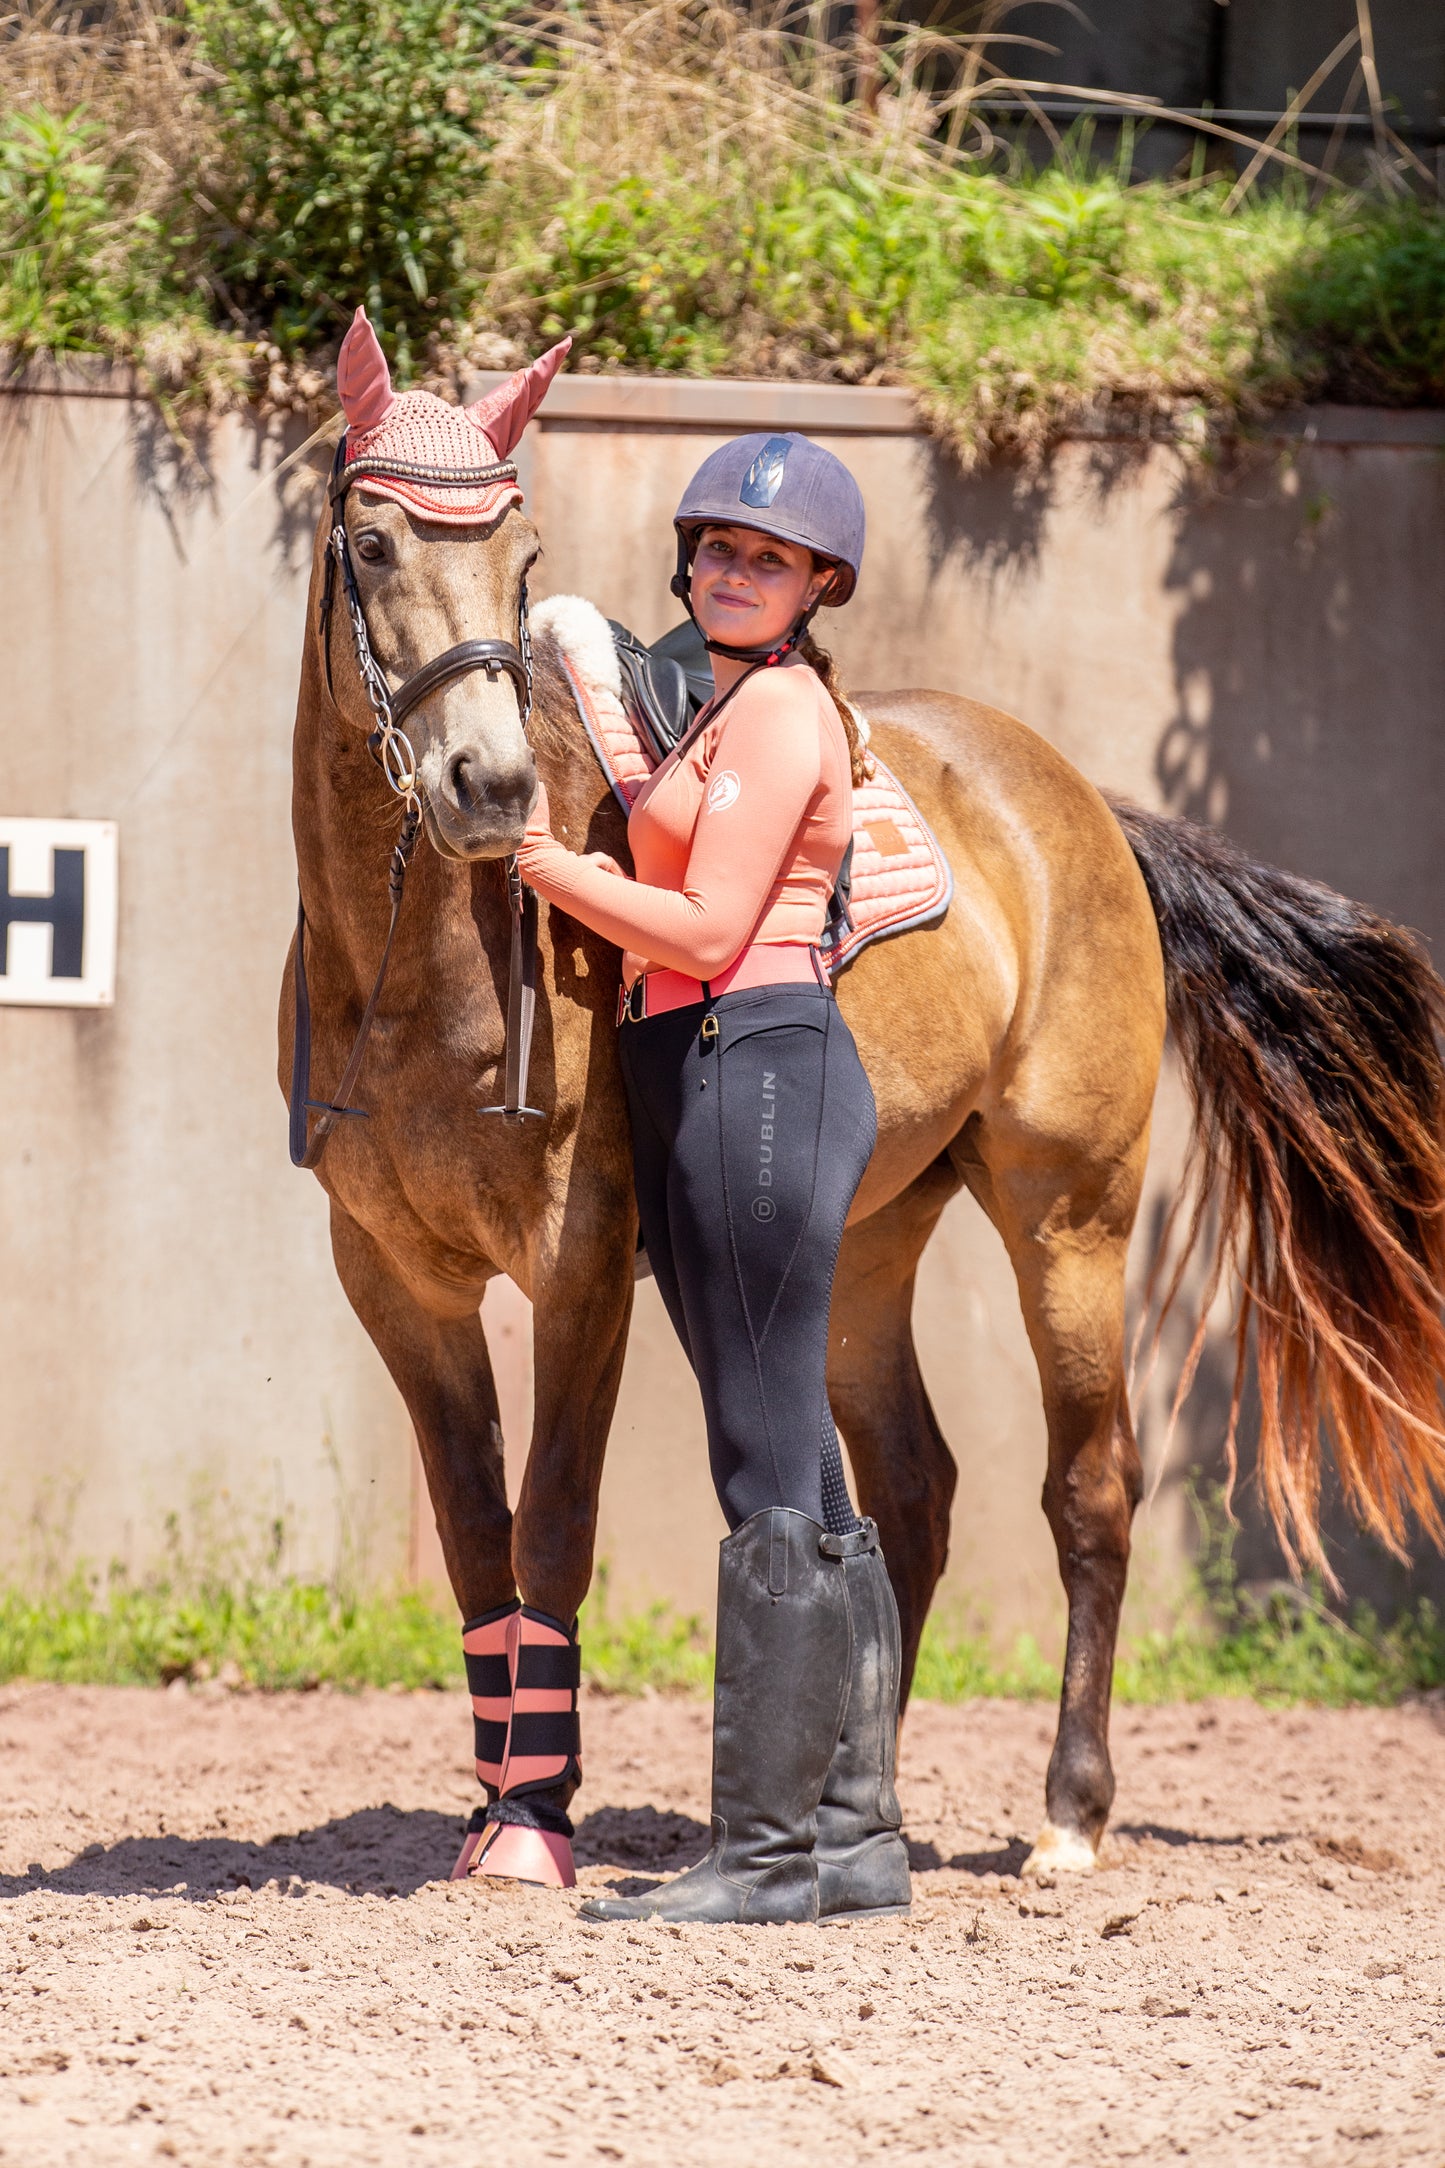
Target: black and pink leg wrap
524,1669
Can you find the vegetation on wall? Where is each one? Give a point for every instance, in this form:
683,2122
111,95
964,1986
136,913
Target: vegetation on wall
207,188
220,1611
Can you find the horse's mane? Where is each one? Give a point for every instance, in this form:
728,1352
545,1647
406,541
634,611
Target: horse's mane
568,625
555,726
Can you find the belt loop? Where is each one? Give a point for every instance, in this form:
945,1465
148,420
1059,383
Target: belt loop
709,1022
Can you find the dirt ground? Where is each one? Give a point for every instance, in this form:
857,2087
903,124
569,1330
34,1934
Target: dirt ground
227,1940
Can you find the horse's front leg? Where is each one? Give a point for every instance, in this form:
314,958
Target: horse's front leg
523,1658
431,1341
581,1306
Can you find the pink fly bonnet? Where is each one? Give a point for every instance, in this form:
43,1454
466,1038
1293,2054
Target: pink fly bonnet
417,431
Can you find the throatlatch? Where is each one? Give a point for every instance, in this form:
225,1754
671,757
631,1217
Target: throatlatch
524,1669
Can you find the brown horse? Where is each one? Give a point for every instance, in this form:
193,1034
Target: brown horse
1013,1049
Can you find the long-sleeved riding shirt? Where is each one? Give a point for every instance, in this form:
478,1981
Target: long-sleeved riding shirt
737,837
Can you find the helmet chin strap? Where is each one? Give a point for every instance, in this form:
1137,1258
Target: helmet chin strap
682,588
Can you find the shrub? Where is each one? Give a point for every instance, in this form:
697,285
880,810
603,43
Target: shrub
54,221
680,183
1363,305
353,134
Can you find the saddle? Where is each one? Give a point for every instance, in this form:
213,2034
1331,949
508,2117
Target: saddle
636,702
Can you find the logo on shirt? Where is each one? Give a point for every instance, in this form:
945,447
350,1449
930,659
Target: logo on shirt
724,790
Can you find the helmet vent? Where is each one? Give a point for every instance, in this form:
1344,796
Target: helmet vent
764,477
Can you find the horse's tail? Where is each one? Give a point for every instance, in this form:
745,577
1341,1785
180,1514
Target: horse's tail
1307,1029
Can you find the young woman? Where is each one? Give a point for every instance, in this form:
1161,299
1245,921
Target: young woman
752,1123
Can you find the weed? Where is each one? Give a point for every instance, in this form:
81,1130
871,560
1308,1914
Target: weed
1281,1646
352,136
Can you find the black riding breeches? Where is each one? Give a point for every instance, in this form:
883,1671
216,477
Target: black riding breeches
748,1146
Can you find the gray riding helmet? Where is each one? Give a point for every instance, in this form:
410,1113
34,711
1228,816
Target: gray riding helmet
782,485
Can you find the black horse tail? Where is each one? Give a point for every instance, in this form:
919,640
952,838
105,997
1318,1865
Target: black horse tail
1307,1027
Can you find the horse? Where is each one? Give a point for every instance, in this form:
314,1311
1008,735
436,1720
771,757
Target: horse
1013,1048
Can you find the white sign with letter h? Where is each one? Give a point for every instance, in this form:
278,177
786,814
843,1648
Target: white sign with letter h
59,908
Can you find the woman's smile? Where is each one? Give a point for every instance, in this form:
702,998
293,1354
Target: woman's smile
739,572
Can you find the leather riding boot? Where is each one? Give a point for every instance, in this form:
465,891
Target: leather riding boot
782,1679
862,1859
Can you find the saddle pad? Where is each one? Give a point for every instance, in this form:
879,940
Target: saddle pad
900,877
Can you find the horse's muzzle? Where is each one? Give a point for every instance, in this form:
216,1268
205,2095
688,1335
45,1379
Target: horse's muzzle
493,833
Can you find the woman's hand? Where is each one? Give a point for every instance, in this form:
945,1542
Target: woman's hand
539,836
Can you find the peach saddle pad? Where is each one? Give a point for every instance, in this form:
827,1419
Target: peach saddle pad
900,877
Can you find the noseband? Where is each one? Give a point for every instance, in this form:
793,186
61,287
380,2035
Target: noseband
392,750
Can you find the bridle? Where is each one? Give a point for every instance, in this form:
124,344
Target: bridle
392,750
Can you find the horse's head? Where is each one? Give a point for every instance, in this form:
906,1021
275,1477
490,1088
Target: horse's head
440,549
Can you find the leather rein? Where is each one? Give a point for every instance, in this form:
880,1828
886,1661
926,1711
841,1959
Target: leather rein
391,749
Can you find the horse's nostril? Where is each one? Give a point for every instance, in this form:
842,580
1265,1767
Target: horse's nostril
475,789
465,785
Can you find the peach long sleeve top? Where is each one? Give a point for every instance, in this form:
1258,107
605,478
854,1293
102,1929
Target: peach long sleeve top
737,837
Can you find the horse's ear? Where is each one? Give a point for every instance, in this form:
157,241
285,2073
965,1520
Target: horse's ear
505,412
363,380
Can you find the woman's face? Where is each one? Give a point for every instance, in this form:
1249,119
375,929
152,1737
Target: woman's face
749,589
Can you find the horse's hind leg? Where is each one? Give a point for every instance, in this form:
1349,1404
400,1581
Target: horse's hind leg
904,1470
1067,1232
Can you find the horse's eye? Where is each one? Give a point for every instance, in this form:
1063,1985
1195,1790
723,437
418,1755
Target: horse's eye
371,548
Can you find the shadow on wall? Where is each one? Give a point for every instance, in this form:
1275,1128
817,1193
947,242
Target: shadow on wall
1306,726
995,521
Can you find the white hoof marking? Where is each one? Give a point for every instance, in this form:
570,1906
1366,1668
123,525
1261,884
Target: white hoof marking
1060,1851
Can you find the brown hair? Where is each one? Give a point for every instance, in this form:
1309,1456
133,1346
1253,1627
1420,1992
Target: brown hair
860,760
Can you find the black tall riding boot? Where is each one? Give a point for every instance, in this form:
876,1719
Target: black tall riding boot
783,1645
862,1860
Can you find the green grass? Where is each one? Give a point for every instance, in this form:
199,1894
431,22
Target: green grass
1287,1649
273,1633
290,1634
1284,1650
682,190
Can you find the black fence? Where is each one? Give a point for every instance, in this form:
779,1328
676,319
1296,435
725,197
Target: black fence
1240,63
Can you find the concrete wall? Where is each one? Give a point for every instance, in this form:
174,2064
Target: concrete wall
1263,648
175,1337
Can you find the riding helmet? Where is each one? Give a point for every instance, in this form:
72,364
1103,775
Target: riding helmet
782,485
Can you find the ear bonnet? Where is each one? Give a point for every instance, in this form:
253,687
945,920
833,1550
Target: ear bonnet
418,436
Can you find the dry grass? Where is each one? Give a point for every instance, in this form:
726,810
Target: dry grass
119,96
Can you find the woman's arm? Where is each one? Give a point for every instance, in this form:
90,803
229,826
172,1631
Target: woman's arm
763,779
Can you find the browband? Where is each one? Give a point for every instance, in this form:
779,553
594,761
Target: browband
346,473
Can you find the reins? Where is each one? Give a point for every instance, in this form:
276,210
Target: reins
392,750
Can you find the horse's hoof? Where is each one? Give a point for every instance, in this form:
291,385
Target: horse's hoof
1060,1851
